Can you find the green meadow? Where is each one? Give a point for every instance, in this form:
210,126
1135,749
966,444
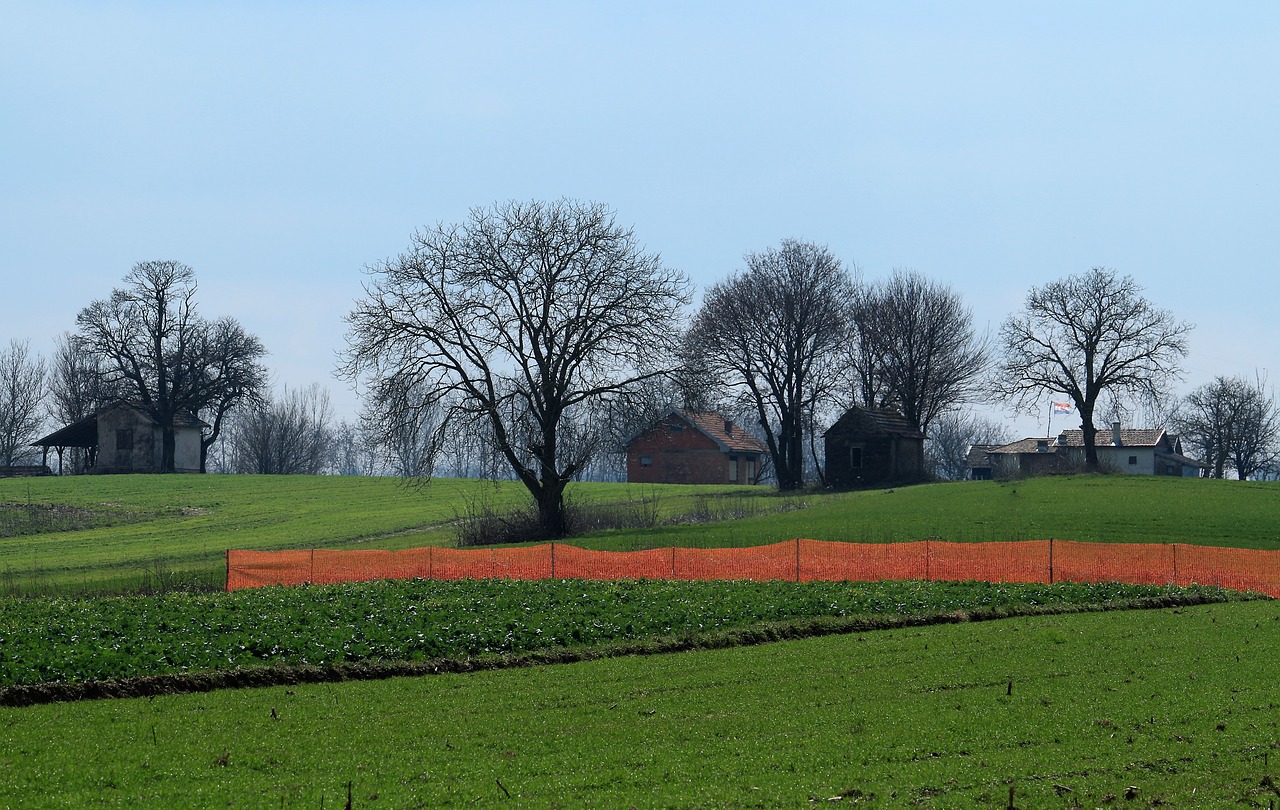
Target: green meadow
120,533
1171,707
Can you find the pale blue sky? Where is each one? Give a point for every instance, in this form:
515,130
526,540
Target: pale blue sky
278,147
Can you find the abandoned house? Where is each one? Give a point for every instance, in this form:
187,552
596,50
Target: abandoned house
866,447
1136,451
694,447
123,438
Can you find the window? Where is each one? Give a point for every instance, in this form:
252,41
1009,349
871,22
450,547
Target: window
733,468
751,471
1133,461
646,461
855,458
124,439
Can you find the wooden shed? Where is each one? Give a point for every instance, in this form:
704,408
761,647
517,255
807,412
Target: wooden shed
694,447
867,447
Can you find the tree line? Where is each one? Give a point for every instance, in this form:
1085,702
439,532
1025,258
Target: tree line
530,340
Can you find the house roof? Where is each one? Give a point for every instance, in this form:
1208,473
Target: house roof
1129,437
729,437
885,420
1030,444
723,431
978,455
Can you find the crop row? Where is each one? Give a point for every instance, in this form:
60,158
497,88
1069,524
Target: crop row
68,640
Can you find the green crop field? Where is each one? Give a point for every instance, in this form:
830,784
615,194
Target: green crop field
1173,707
115,533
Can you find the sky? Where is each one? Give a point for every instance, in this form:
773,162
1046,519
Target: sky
279,148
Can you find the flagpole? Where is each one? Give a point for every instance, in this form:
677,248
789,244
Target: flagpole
1048,431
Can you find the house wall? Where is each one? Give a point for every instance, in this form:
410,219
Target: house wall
126,443
681,454
142,451
883,458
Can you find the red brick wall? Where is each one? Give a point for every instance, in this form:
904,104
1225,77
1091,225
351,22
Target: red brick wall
685,456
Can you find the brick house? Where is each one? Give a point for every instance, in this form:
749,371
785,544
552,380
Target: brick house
694,447
873,446
123,438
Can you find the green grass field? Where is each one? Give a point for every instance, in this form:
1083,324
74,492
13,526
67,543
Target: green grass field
1168,707
1174,708
175,529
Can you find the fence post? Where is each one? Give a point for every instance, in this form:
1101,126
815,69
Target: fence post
926,560
227,588
1175,563
553,559
797,559
311,574
1050,560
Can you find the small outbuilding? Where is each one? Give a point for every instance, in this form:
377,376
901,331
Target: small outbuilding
867,446
123,438
694,447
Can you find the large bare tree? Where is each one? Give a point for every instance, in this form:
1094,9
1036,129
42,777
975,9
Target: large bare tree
925,352
21,394
773,333
166,358
1085,335
1231,420
525,318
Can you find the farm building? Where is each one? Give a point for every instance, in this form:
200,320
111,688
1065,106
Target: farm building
694,447
123,438
873,446
1142,451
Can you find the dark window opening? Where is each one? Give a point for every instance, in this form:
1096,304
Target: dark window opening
646,461
855,458
1133,461
124,439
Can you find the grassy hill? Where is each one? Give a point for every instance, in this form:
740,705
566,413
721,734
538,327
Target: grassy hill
102,533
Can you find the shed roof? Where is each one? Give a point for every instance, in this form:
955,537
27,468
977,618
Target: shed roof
884,420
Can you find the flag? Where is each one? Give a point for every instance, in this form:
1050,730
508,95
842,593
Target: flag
1061,407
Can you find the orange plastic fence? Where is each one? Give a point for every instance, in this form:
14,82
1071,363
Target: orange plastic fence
794,560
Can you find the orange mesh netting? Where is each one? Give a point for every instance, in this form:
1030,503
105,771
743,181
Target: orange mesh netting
794,560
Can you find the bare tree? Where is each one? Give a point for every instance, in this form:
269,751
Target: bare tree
1232,420
78,388
1085,335
927,356
521,318
289,434
164,356
772,335
21,396
951,437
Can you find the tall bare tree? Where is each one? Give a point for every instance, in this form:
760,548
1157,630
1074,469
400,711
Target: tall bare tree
288,434
21,396
772,334
1085,335
926,354
1232,420
163,355
522,317
78,388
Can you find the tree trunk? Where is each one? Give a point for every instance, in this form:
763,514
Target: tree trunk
167,449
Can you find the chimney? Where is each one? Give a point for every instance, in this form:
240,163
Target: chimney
728,427
1115,434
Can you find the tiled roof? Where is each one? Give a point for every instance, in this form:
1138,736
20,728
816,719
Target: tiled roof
1129,437
723,431
1029,445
